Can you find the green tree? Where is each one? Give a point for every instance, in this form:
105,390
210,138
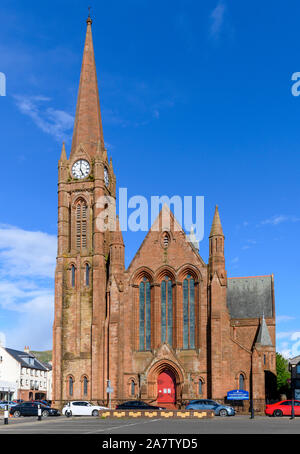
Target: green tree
283,374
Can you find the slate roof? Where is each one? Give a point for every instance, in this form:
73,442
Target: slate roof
21,357
250,297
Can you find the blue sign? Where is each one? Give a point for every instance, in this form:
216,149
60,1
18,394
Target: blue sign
238,394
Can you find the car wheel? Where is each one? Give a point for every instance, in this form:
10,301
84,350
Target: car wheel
45,413
95,413
68,413
277,413
223,412
17,414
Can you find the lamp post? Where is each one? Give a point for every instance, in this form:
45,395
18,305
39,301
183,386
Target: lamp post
293,391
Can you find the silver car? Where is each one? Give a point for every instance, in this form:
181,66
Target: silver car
208,404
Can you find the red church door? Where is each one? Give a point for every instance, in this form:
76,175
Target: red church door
166,388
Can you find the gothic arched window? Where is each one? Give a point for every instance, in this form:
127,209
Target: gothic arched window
200,387
73,275
188,312
85,386
166,311
132,388
241,382
71,385
144,315
87,274
81,224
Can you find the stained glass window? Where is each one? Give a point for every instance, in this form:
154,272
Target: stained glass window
188,312
166,311
144,315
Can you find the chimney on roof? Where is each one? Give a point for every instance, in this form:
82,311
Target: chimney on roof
26,349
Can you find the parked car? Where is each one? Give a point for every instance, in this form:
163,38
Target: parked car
10,403
82,408
137,405
283,408
31,409
207,404
42,402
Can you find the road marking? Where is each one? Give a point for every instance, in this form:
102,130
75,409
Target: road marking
124,425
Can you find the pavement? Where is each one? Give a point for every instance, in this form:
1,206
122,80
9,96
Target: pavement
91,425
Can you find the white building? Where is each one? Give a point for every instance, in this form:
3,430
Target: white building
23,376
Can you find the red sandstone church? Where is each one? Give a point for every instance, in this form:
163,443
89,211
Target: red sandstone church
170,327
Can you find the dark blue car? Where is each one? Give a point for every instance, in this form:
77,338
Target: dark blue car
207,404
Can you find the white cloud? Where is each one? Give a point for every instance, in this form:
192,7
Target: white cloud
278,219
27,263
284,318
291,346
26,253
55,122
217,19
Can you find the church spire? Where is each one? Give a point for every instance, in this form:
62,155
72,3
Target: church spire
88,125
216,228
216,247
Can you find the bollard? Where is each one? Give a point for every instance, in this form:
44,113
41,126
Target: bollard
6,414
39,412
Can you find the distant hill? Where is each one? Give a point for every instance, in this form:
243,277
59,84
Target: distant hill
44,356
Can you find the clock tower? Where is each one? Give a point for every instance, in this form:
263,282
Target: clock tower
79,369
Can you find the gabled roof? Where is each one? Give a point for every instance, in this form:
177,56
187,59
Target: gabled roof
250,297
164,221
23,359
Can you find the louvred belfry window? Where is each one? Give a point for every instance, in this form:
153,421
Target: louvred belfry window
81,225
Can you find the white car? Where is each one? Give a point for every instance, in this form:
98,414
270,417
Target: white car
82,408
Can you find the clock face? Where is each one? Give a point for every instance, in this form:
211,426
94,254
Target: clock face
106,177
81,169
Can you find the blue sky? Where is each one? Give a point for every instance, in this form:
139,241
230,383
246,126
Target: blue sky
196,100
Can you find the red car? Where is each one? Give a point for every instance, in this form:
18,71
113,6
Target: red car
283,408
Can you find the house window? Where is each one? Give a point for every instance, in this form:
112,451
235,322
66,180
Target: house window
241,382
166,311
144,315
188,312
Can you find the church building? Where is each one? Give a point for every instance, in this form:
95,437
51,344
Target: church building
170,327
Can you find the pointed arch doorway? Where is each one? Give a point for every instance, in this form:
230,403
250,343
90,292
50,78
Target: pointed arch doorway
166,388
